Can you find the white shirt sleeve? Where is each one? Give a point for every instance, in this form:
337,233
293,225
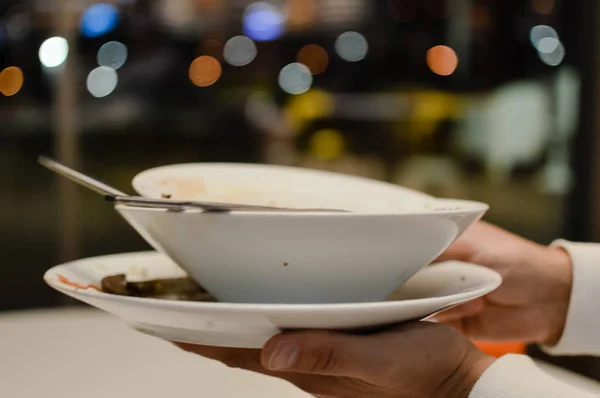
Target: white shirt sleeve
517,376
582,329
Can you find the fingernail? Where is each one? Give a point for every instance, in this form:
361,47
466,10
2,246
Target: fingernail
284,357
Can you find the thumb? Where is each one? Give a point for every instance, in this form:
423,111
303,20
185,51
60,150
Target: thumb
322,353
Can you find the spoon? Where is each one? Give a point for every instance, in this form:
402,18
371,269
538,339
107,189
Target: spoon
115,196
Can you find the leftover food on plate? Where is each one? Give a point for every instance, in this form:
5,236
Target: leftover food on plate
184,289
76,285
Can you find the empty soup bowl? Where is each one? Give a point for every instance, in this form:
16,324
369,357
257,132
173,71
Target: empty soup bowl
286,257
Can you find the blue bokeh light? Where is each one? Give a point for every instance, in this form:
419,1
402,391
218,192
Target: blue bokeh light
99,19
263,22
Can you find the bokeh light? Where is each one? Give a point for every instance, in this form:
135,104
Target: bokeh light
54,51
327,144
102,81
18,22
263,22
442,60
99,19
540,32
543,7
351,46
314,57
312,105
301,13
239,51
11,80
112,54
205,71
548,45
295,78
555,57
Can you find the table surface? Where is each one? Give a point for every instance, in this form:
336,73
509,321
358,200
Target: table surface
70,353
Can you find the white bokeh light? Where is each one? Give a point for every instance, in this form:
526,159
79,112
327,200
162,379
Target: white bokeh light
54,51
112,54
352,46
541,32
295,78
548,45
102,81
239,51
554,58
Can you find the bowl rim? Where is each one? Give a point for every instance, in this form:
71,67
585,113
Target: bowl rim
472,209
461,206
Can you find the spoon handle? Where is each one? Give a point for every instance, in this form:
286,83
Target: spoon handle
79,178
138,201
115,196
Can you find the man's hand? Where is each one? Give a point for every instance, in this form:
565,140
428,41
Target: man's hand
532,303
420,360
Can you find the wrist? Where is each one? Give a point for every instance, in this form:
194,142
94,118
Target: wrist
559,268
463,380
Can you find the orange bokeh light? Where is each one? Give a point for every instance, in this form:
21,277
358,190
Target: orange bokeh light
11,80
544,7
314,57
205,71
442,60
302,13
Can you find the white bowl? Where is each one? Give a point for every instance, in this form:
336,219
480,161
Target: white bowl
296,257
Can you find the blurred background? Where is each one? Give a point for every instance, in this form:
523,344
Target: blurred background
491,100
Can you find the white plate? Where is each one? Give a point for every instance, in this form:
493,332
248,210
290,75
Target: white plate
251,325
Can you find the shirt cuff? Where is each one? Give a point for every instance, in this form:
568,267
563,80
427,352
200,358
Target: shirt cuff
517,376
582,328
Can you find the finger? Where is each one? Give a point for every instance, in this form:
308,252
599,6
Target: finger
367,358
249,359
458,251
459,325
466,310
320,352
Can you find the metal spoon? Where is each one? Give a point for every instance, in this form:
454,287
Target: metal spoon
115,196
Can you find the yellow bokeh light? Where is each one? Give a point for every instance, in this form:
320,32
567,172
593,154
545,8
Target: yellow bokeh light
544,7
314,57
312,105
327,144
11,80
442,60
205,71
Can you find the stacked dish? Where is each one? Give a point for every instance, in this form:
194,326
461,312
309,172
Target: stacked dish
268,271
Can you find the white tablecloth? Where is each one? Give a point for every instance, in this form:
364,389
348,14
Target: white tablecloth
75,353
